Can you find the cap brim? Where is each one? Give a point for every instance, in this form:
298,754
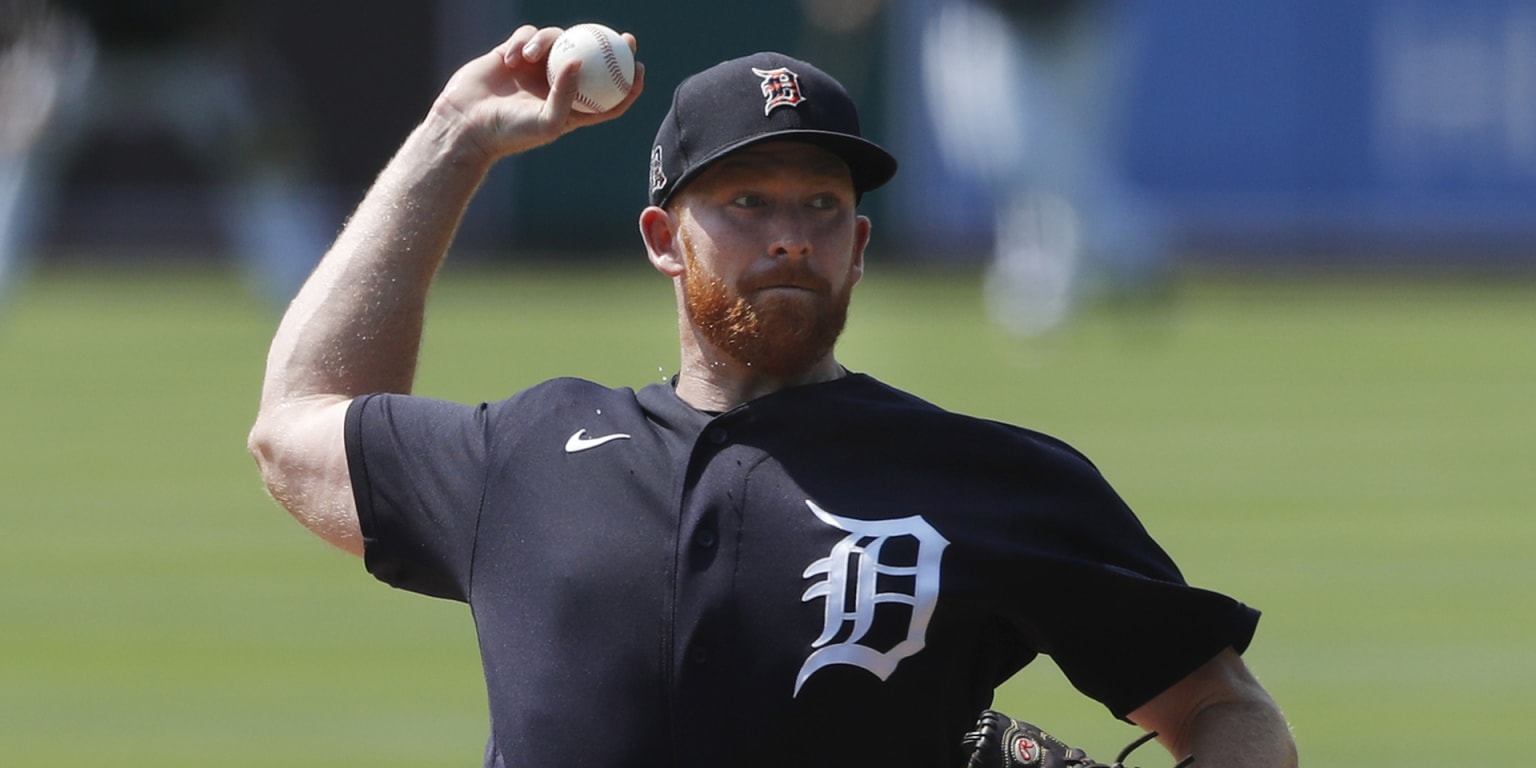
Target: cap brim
870,165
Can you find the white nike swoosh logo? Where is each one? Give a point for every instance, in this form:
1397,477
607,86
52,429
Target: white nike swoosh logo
580,442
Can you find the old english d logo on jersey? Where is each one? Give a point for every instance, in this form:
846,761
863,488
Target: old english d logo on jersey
858,580
781,88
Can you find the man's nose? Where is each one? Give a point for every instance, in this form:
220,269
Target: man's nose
791,236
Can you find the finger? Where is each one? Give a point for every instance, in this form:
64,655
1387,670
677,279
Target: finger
634,45
538,46
562,92
512,50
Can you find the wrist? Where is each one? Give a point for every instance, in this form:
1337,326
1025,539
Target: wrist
448,131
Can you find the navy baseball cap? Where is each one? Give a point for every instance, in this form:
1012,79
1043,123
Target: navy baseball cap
757,98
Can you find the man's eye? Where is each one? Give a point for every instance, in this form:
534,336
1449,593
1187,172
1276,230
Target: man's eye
824,202
747,201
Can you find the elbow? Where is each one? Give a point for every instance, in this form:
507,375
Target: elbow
275,443
262,443
301,454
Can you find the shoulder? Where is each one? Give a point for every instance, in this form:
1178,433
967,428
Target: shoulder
918,419
566,391
553,397
560,403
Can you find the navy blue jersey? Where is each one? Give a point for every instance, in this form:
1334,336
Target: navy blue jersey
835,574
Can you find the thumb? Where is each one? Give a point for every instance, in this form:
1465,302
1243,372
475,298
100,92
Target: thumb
563,87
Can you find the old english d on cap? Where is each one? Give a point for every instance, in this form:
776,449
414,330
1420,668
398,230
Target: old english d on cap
757,98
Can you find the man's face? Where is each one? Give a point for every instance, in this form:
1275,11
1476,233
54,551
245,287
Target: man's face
773,248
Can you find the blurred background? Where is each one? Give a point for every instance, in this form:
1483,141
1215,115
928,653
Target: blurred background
1271,265
1312,132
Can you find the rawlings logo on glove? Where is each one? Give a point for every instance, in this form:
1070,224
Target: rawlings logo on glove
1000,741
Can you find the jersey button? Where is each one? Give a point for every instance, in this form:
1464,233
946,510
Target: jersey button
698,654
705,538
718,435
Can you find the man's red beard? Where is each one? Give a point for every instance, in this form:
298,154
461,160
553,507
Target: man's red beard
774,335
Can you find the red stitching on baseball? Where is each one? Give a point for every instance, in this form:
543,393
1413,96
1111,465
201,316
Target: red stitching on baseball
612,60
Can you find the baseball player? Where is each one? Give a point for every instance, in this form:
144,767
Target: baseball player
767,561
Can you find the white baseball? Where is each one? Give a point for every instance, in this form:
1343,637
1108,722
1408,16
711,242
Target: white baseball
607,65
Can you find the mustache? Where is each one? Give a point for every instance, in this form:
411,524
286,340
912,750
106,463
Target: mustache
795,274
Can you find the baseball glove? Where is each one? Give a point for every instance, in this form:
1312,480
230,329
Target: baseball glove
1000,741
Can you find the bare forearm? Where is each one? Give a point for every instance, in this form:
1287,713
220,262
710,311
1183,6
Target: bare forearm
355,327
1241,735
1222,716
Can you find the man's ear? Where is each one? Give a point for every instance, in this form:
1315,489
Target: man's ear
658,228
861,233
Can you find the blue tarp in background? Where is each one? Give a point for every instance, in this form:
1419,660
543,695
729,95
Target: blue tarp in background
1367,124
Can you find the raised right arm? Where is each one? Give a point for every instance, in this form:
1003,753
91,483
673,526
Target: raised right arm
355,326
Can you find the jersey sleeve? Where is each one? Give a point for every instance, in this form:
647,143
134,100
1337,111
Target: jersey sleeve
1089,587
418,468
1107,603
1123,638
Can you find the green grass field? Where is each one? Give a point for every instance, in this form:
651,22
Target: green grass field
1353,456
